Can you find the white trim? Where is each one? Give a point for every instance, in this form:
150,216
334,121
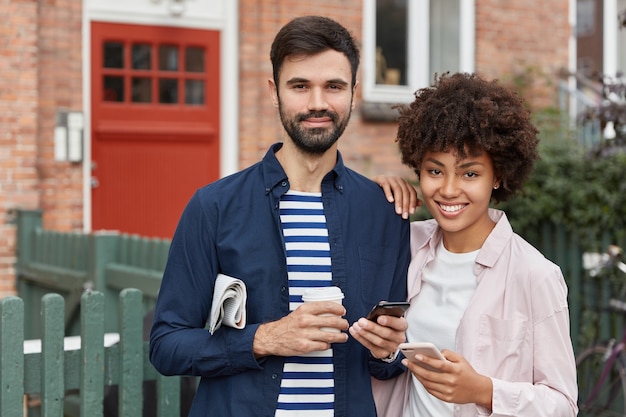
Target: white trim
194,23
419,36
87,160
219,15
609,50
229,94
468,36
572,62
197,14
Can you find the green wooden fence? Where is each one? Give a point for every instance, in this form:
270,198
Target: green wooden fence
78,284
588,297
53,381
69,263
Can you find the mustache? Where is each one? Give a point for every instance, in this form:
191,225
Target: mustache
318,114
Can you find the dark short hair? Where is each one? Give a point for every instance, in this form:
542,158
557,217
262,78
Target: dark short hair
464,113
310,35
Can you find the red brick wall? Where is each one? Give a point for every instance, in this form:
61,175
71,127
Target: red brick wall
523,37
18,125
40,67
60,88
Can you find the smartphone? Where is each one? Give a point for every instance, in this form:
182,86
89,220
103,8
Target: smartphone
409,350
388,308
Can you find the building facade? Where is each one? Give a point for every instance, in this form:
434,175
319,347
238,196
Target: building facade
113,112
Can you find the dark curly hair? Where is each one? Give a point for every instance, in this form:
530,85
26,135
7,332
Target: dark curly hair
465,113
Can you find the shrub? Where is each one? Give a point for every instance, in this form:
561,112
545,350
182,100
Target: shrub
571,187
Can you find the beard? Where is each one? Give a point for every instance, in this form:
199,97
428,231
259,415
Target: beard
314,141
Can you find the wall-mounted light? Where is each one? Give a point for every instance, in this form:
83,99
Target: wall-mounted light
68,136
175,7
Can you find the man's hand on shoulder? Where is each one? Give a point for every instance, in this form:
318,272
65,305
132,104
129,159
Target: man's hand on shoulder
399,191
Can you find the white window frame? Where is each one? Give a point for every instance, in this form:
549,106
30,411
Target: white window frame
418,50
611,36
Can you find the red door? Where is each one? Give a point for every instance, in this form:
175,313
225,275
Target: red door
155,123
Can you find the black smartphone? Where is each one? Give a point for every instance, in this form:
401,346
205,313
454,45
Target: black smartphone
388,308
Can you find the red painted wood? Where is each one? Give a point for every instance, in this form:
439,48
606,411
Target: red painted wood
149,158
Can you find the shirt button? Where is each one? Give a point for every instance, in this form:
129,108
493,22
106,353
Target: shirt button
283,289
284,183
274,376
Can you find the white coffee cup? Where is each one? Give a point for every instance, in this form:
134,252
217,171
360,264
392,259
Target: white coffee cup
324,294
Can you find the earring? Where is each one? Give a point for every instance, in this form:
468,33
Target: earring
495,187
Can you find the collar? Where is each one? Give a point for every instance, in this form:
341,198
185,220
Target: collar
497,239
490,251
274,174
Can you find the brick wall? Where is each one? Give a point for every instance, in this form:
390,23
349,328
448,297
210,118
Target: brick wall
60,88
18,125
41,64
527,38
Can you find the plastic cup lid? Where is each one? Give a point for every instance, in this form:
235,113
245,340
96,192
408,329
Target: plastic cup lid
322,293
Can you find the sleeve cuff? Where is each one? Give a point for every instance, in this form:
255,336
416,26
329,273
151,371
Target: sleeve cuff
392,357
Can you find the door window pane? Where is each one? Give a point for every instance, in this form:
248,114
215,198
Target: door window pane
113,88
194,92
168,58
142,57
113,55
142,90
391,42
585,17
194,59
168,90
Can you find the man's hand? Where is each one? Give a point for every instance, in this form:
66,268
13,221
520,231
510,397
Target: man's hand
381,338
301,330
398,190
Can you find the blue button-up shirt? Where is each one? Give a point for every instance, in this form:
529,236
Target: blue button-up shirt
232,226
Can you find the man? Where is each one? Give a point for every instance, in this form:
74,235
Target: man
297,219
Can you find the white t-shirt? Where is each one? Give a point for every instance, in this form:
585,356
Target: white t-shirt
448,284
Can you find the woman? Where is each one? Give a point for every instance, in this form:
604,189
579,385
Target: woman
494,306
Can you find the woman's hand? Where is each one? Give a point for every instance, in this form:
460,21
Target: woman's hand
399,191
455,381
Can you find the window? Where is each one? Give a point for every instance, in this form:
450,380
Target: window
585,17
405,42
143,73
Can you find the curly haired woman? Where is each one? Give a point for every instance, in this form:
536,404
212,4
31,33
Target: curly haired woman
494,305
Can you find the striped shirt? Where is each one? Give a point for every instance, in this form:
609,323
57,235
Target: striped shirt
307,387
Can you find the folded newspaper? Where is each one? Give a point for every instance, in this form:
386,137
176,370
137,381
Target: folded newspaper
229,303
